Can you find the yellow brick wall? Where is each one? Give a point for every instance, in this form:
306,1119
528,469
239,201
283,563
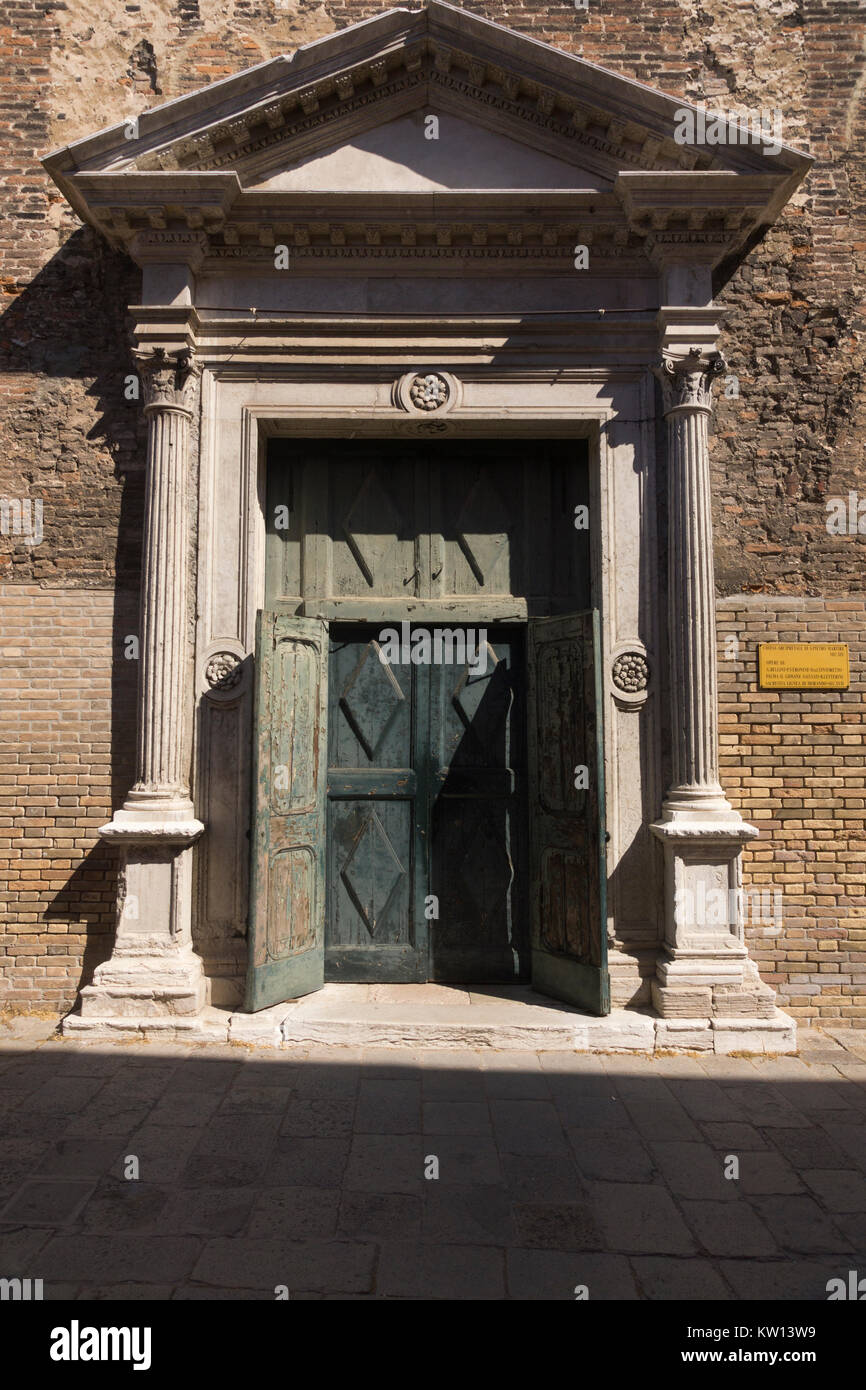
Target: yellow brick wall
794,764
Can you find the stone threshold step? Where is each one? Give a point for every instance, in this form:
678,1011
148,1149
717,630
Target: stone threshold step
431,1017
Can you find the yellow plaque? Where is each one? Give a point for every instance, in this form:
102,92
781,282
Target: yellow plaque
803,666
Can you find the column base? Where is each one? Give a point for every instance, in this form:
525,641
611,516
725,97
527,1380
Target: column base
776,1034
149,980
721,994
153,973
704,970
147,819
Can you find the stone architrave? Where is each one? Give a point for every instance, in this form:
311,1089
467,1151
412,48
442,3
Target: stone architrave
153,972
704,970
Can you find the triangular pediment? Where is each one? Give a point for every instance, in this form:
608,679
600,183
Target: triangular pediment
429,151
348,117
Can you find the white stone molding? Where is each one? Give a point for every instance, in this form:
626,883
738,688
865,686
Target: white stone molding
509,397
170,384
153,970
687,389
704,971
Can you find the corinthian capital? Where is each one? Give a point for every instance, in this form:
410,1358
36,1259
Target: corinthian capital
169,379
688,381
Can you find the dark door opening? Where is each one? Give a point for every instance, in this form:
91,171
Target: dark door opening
426,826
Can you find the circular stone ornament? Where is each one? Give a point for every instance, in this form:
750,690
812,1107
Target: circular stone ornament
223,671
630,672
426,393
429,392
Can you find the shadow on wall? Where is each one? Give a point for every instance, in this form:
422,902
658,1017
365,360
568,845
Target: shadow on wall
87,902
71,437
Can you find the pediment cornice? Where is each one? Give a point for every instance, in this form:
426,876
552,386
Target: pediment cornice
427,75
197,164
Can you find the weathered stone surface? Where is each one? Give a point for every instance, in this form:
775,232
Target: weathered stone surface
690,1171
370,1225
298,1213
684,1034
669,1279
48,1202
799,1224
777,1034
452,1271
606,1155
728,1228
553,1275
340,1266
639,1218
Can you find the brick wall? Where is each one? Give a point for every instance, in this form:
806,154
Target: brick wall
66,760
793,762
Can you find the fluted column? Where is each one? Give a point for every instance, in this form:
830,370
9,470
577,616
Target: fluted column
154,981
170,387
706,986
687,389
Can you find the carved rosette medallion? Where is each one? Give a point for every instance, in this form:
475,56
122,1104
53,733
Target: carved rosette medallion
630,672
687,382
429,392
170,380
426,393
223,671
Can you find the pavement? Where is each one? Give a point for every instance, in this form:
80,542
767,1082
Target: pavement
170,1171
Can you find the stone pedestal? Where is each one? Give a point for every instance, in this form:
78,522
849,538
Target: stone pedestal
153,973
704,971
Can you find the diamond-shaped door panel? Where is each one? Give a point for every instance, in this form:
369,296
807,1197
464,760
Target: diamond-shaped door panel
372,873
375,533
483,529
371,700
482,703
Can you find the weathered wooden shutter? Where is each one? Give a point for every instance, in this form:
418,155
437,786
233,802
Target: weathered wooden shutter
287,901
568,876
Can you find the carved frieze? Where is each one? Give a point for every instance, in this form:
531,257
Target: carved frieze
425,243
165,245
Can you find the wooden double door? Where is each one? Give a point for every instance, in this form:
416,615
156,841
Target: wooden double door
439,820
426,823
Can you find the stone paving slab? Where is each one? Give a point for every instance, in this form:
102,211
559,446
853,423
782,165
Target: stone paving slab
386,1173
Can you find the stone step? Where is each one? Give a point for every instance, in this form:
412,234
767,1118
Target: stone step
437,1016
